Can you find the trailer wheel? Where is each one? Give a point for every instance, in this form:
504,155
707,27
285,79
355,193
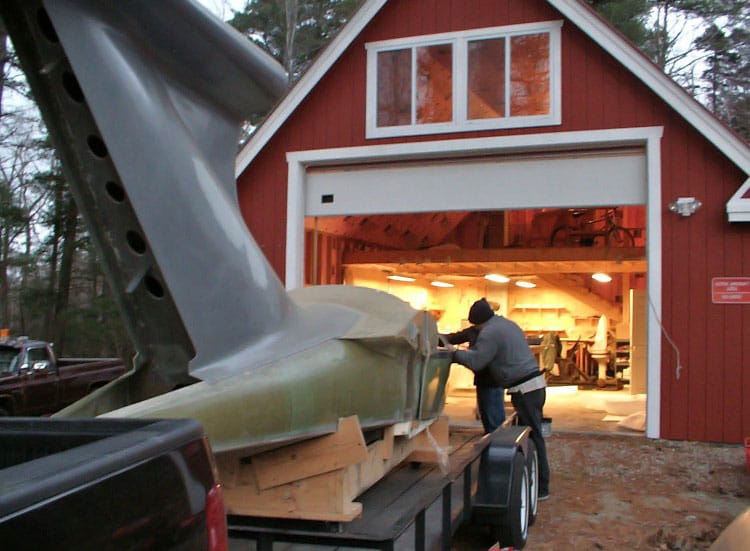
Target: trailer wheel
532,464
514,527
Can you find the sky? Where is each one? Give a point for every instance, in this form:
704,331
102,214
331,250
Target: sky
223,8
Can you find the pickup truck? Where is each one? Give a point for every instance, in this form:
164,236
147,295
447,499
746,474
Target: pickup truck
34,382
108,484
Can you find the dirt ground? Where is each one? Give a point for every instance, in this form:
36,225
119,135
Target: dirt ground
619,492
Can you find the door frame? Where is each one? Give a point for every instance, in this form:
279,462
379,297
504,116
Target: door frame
647,137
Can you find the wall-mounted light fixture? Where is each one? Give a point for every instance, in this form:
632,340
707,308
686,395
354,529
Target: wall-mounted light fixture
441,284
401,278
497,278
685,206
602,278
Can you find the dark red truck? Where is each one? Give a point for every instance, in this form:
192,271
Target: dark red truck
34,382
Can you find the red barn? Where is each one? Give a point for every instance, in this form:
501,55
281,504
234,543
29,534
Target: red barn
449,140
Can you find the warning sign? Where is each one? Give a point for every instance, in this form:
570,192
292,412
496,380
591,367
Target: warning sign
730,290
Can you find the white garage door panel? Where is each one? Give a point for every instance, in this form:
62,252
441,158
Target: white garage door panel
530,182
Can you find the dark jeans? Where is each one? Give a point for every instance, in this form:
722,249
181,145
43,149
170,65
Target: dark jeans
529,409
491,404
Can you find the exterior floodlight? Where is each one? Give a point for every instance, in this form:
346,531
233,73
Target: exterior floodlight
685,206
497,278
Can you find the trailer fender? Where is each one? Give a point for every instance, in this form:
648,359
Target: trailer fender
496,467
504,499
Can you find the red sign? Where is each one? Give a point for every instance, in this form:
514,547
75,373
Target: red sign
730,290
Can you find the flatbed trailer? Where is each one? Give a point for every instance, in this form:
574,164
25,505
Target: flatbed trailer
490,479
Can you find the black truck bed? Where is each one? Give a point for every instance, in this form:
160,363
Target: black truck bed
104,484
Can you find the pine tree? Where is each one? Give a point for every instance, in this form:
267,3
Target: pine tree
293,31
726,43
716,66
628,16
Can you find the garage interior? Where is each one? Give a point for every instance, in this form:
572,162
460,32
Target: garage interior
573,278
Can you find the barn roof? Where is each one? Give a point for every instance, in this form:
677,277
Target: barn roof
588,21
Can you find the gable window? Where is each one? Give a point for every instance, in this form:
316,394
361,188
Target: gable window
502,77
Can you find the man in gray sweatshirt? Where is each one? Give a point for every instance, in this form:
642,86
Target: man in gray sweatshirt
501,349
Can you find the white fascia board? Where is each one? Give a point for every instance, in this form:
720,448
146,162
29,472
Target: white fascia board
309,80
475,146
688,107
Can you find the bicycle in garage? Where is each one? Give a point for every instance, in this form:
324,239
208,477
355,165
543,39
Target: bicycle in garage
583,227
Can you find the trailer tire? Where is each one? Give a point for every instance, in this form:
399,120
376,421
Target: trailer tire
532,464
514,527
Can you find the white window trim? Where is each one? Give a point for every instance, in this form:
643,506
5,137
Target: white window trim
460,121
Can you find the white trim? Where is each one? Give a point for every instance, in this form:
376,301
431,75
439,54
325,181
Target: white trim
295,226
585,19
469,34
459,52
653,287
554,141
650,137
738,207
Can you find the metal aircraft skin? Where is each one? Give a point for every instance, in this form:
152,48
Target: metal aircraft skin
144,101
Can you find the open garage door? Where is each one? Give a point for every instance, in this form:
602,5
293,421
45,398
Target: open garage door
618,167
510,182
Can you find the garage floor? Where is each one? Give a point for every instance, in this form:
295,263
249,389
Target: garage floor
571,409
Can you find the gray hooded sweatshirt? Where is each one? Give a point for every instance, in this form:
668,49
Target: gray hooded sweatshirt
501,347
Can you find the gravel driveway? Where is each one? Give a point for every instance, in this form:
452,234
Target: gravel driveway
619,492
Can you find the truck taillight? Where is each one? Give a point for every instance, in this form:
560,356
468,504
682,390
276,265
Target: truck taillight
216,520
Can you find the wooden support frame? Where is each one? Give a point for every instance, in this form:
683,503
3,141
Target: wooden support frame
320,479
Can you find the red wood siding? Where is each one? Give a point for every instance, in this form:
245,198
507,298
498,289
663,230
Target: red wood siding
708,401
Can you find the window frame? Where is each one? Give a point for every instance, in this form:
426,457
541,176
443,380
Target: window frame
460,70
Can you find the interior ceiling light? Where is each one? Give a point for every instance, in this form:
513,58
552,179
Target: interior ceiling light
441,284
603,278
401,278
525,284
497,278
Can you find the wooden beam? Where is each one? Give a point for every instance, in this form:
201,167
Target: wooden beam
453,256
343,448
252,487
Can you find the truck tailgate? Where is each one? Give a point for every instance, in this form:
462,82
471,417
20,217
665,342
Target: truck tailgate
109,483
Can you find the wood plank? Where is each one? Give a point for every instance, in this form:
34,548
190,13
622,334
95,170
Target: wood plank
317,498
253,488
406,490
427,451
305,459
